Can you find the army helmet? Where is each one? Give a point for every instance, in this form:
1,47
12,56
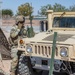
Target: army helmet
20,19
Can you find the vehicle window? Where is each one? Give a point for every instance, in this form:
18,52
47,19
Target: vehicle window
68,22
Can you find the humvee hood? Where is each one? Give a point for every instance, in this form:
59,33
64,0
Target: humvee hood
62,37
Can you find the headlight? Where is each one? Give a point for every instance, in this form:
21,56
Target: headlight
29,49
63,52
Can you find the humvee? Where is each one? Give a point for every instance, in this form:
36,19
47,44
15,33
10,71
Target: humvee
36,51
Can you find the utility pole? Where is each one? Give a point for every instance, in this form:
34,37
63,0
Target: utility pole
30,16
53,54
30,30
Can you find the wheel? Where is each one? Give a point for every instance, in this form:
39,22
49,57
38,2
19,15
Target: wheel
25,67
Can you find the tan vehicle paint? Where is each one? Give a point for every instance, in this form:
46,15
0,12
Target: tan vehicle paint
39,47
42,45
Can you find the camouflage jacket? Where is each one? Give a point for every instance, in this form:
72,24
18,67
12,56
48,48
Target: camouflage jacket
15,33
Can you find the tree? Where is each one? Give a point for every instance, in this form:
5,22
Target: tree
56,7
25,9
7,12
59,8
44,9
72,8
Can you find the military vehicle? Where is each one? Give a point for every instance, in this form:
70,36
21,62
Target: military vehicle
36,51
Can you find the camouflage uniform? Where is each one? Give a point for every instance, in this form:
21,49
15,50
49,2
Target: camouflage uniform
18,30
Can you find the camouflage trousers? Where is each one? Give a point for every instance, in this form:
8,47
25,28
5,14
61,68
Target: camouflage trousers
14,61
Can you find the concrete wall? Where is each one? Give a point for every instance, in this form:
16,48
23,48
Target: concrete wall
11,21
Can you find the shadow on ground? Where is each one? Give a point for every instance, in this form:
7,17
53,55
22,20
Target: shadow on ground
47,73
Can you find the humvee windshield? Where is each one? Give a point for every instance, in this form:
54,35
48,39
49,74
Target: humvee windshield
64,22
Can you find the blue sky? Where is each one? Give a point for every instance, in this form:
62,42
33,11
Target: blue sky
13,4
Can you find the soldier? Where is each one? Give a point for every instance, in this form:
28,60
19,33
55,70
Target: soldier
18,30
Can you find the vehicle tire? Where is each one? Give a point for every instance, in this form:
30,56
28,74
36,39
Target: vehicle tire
25,67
